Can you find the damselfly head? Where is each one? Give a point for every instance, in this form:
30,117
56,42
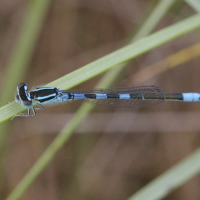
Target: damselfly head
22,96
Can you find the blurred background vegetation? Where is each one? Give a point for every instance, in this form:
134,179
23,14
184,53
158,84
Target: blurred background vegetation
113,153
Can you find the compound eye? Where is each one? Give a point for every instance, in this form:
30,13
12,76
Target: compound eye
22,86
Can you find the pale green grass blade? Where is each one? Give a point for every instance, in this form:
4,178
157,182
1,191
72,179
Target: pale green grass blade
65,82
68,130
171,179
195,4
113,59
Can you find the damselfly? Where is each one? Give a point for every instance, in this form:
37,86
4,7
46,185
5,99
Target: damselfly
123,97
